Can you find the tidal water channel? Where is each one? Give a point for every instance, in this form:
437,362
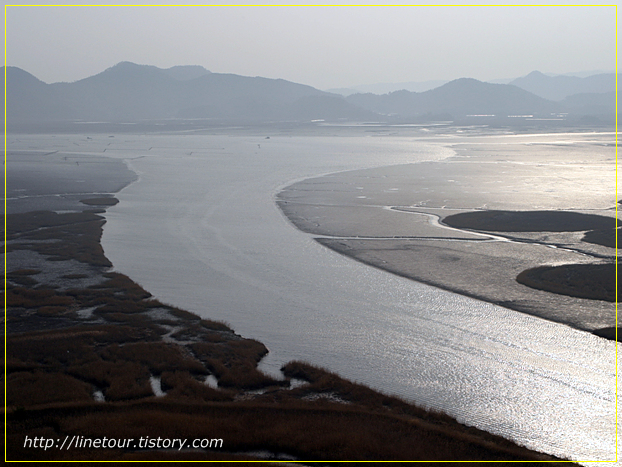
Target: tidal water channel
200,229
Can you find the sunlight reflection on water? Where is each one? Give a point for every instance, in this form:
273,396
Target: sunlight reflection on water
202,232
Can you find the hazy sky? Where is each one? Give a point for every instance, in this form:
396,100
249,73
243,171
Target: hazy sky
323,46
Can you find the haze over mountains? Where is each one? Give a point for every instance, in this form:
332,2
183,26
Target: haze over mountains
461,97
559,87
385,88
554,87
128,92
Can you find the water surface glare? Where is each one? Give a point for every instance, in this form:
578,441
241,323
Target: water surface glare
200,229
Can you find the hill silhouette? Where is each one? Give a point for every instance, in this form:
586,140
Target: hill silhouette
458,98
128,92
186,72
557,88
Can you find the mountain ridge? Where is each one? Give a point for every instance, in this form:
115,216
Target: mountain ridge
128,92
460,97
557,88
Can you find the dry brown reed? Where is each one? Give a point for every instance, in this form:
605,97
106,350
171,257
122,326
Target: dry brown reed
52,375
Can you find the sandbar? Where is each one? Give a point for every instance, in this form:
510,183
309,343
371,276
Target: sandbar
473,223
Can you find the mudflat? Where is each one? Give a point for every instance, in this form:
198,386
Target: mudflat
476,222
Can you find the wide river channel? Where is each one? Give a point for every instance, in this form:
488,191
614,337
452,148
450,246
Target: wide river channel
200,229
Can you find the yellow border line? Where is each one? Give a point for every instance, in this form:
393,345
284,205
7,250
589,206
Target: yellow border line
307,5
616,276
310,5
5,270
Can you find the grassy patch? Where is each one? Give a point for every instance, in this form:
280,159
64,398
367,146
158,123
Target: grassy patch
34,298
529,221
234,362
601,237
157,356
25,388
182,385
100,201
593,281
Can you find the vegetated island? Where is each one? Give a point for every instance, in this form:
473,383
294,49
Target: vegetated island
595,281
91,355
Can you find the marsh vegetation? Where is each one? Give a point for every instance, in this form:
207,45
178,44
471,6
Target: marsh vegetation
54,373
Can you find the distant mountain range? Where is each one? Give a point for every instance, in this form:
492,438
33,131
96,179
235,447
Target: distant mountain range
458,98
553,87
385,88
557,88
128,92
